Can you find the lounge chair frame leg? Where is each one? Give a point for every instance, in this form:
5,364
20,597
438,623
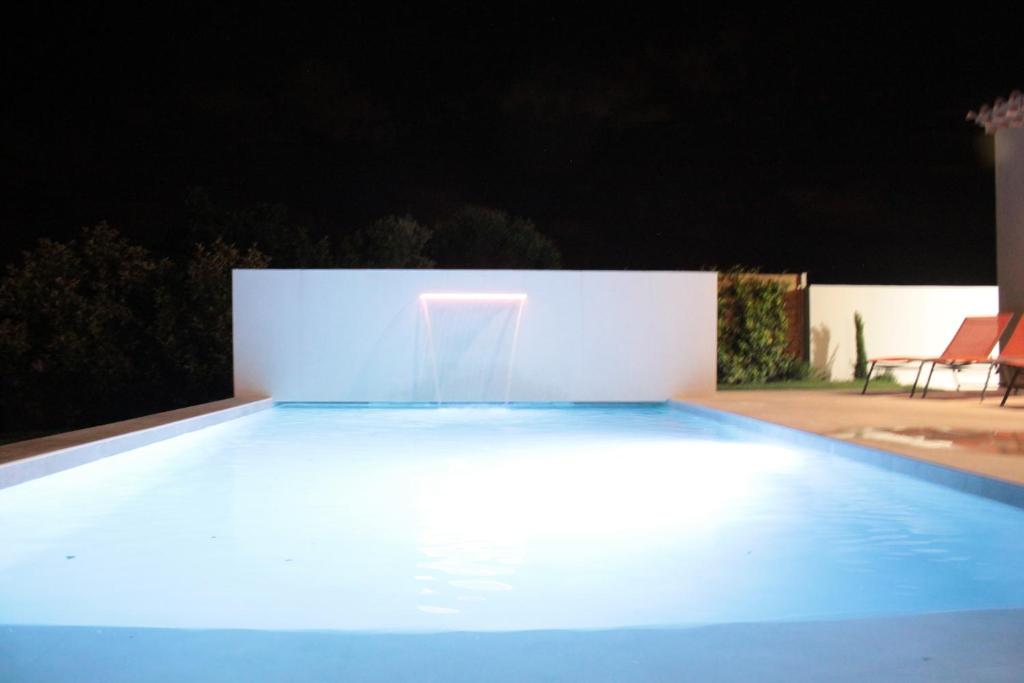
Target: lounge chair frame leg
928,382
1010,386
917,377
988,378
868,378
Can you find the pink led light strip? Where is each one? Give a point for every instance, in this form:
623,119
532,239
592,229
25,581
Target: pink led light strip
472,296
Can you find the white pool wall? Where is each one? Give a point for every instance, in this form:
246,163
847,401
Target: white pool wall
39,457
359,335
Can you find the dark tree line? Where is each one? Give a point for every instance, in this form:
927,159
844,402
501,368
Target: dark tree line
98,328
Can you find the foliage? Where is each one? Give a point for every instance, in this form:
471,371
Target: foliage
752,331
269,227
803,371
390,242
76,321
479,237
860,367
97,329
194,323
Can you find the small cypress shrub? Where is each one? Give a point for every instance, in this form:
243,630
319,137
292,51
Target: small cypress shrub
860,367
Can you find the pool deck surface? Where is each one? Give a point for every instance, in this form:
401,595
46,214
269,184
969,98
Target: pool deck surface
948,428
25,460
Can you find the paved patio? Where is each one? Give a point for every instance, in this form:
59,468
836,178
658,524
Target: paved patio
949,428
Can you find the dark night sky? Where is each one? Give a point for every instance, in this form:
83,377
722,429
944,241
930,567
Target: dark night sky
835,145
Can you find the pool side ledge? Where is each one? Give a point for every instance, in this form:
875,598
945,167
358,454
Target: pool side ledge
26,460
983,485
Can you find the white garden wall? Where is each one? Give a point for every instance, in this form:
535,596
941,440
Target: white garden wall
366,335
898,320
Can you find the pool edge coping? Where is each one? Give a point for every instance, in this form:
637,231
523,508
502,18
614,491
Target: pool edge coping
136,432
966,481
52,460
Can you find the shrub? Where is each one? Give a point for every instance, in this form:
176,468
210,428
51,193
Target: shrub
479,237
76,323
390,242
193,326
753,331
860,367
270,228
97,329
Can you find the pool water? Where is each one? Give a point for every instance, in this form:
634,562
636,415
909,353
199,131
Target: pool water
366,519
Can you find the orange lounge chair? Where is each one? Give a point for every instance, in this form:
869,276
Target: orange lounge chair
1011,355
972,343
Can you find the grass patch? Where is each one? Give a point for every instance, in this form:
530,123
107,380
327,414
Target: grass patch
881,383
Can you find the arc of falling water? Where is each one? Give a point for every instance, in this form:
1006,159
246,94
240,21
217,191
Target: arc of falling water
424,298
433,353
512,353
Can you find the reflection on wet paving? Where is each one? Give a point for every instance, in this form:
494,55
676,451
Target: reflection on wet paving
999,442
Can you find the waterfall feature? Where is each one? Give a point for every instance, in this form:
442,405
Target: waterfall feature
471,341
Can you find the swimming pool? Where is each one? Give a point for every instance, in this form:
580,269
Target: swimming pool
414,521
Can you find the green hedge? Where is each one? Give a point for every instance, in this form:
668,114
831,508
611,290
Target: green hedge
753,331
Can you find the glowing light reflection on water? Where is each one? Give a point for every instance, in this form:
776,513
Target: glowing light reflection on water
491,519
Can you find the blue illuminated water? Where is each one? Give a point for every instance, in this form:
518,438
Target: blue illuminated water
491,519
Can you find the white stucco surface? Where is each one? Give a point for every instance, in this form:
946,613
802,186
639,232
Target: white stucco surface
898,320
27,460
364,335
1010,217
